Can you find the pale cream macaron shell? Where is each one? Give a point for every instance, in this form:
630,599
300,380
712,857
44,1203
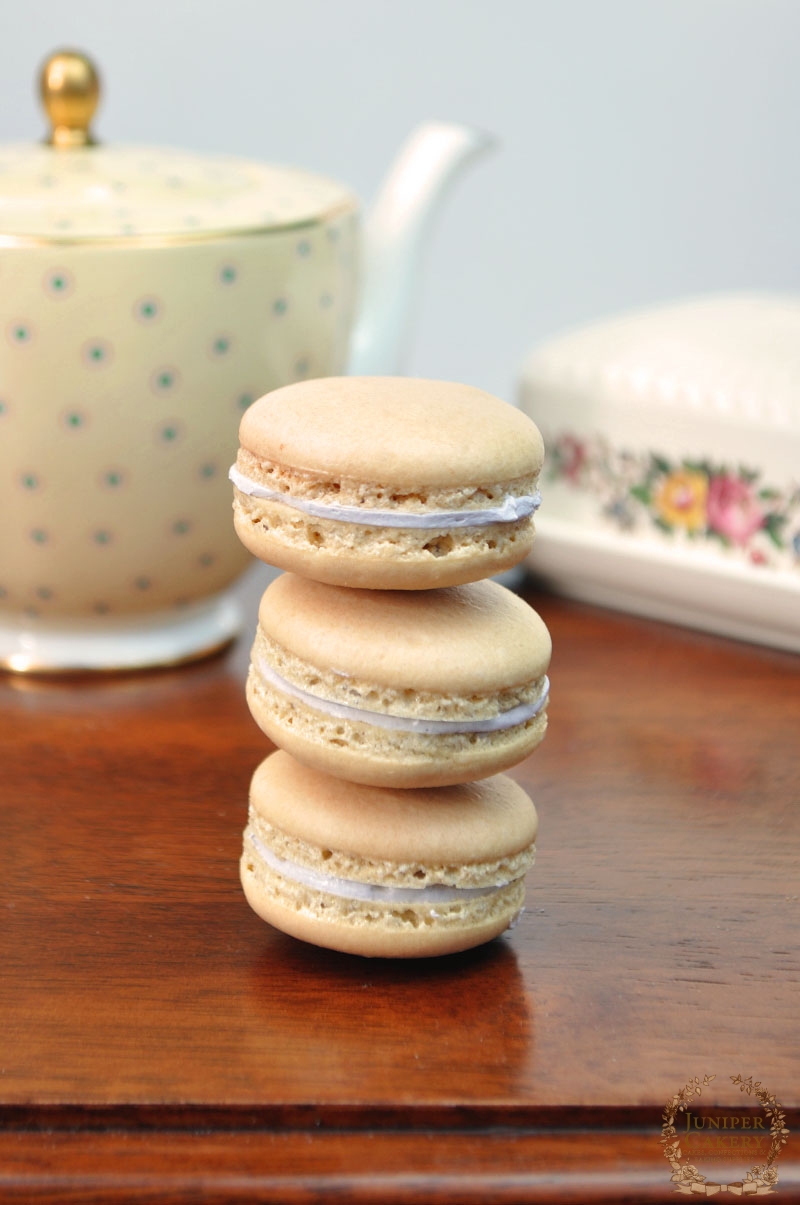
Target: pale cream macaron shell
462,653
477,834
386,442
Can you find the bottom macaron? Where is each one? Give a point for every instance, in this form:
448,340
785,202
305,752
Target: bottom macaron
384,872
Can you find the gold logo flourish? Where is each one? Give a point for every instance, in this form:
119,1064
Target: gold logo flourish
760,1180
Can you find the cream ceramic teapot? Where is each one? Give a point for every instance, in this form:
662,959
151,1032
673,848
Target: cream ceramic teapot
147,297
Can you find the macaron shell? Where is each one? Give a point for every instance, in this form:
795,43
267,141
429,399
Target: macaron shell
340,554
397,430
369,755
391,939
477,822
470,639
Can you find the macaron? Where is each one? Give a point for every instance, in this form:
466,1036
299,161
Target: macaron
386,483
383,872
398,688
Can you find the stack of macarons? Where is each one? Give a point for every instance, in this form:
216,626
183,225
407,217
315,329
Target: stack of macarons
396,681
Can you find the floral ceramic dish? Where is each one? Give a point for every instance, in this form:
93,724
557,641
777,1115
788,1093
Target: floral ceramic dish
672,477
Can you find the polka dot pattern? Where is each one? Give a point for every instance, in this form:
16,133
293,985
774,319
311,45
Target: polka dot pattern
165,379
58,283
147,310
124,380
74,420
97,353
113,479
20,332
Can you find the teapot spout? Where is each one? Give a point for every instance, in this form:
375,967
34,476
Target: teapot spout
395,236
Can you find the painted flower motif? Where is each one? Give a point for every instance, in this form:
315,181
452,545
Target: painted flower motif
681,500
572,452
619,510
733,509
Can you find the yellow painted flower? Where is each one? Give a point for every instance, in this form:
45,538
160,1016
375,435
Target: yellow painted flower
681,501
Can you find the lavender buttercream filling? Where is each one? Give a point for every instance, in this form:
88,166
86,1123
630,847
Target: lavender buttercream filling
344,711
351,889
512,509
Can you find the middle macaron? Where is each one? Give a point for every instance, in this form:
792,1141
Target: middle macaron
398,688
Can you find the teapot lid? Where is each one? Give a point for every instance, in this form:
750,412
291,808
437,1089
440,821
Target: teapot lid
70,189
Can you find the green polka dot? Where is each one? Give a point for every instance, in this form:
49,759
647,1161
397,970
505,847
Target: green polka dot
207,471
113,479
280,306
58,283
170,433
96,353
304,248
206,559
221,345
21,334
147,309
245,400
39,535
102,537
142,583
74,420
101,608
164,379
3,409
326,301
44,593
228,274
29,481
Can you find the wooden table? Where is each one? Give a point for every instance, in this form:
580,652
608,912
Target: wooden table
160,1043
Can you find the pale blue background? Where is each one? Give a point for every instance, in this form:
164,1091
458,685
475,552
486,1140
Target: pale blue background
650,147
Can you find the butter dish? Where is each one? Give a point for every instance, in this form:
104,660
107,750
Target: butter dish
671,484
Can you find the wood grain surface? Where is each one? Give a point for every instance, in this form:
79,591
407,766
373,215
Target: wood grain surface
159,1042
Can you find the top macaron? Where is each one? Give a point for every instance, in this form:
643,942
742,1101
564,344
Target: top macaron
386,482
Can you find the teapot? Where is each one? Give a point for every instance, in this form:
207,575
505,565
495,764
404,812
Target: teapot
147,297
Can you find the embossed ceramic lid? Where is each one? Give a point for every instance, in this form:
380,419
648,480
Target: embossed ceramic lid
732,358
73,189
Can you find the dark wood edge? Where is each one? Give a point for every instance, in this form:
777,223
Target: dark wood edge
386,1168
456,1118
82,1118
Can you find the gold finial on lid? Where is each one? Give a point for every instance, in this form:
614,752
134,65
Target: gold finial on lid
70,90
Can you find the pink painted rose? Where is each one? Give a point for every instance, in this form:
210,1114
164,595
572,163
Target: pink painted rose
573,457
733,509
